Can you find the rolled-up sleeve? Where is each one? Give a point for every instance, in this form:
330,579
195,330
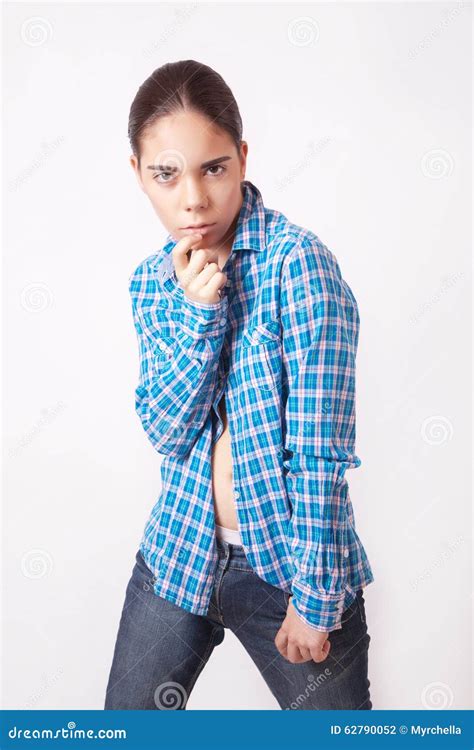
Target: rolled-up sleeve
176,377
320,333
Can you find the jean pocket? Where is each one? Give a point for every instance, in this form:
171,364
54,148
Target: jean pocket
351,610
286,598
361,604
145,577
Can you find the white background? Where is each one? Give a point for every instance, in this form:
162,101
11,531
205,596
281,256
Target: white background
358,122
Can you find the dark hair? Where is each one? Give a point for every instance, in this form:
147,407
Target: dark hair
180,86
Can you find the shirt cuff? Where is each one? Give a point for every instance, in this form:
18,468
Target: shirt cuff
199,318
319,610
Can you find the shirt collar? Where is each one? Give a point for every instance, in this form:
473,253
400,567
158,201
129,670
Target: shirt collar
249,231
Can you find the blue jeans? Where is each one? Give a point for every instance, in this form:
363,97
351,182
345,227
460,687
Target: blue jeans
161,648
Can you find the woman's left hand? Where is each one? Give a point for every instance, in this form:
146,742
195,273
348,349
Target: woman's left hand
298,642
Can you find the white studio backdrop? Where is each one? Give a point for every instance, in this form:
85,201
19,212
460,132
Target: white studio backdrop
358,119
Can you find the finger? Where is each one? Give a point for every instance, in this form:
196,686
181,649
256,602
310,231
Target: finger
281,642
305,653
217,281
294,654
196,281
181,250
208,282
318,653
199,259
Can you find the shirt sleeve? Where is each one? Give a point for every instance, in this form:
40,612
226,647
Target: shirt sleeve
177,376
320,324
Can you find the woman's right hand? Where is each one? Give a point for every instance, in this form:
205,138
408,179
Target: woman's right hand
197,270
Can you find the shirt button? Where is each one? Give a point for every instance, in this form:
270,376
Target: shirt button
222,322
346,552
237,495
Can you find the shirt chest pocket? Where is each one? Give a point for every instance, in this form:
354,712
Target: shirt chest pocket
163,348
159,329
261,364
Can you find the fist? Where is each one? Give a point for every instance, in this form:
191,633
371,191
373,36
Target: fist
197,270
298,643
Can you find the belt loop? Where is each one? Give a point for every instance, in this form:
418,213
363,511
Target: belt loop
360,604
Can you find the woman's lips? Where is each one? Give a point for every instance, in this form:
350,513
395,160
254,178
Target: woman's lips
198,230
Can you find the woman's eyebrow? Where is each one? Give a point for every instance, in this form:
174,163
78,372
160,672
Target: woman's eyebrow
205,164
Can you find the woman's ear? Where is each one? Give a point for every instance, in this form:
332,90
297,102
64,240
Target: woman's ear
243,158
136,169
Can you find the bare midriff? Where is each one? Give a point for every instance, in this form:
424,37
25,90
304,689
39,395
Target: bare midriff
222,487
221,459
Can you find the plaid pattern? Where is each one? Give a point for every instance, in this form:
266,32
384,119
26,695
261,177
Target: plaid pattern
281,344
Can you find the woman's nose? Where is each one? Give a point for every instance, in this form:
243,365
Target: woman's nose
194,197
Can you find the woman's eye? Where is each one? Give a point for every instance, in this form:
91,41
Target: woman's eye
166,175
217,166
162,174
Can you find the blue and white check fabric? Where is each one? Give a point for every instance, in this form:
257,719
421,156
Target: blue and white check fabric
281,345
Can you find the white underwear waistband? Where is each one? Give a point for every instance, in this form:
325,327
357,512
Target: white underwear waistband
232,536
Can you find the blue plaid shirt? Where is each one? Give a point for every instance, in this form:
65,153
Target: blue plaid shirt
281,344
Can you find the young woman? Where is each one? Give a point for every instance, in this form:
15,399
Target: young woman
247,338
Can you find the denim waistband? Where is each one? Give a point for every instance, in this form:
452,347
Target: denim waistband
229,550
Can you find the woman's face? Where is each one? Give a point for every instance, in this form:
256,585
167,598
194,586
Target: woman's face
184,189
